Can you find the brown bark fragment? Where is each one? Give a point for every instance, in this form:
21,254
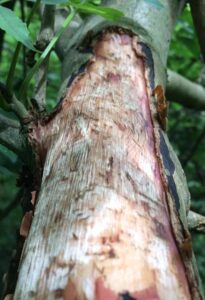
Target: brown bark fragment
26,223
33,197
8,297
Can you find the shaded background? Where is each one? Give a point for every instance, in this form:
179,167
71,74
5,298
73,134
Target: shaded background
186,131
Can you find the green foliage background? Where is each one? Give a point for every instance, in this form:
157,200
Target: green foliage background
187,126
186,130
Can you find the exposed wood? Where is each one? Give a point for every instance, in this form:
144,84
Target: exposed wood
154,27
101,227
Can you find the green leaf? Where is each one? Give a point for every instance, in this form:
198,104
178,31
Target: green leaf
45,53
10,23
96,2
4,1
105,12
8,161
155,3
52,2
84,2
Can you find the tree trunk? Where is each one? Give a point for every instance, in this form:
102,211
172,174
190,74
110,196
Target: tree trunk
109,222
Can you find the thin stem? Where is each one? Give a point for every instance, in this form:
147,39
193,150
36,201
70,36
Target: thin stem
12,68
22,5
45,53
45,36
22,10
34,8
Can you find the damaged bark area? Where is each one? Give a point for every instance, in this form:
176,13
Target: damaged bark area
101,227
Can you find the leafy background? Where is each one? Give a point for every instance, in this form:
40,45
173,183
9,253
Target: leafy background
187,126
186,132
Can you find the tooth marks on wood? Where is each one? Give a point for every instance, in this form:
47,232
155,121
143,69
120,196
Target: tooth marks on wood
109,170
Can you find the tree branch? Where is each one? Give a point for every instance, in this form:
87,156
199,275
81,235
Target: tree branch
198,15
196,222
181,90
9,134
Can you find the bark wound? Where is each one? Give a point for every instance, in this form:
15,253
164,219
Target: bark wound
101,226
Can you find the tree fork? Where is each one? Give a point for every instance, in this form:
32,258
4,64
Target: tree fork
105,225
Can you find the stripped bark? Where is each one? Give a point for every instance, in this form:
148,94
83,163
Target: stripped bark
104,192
